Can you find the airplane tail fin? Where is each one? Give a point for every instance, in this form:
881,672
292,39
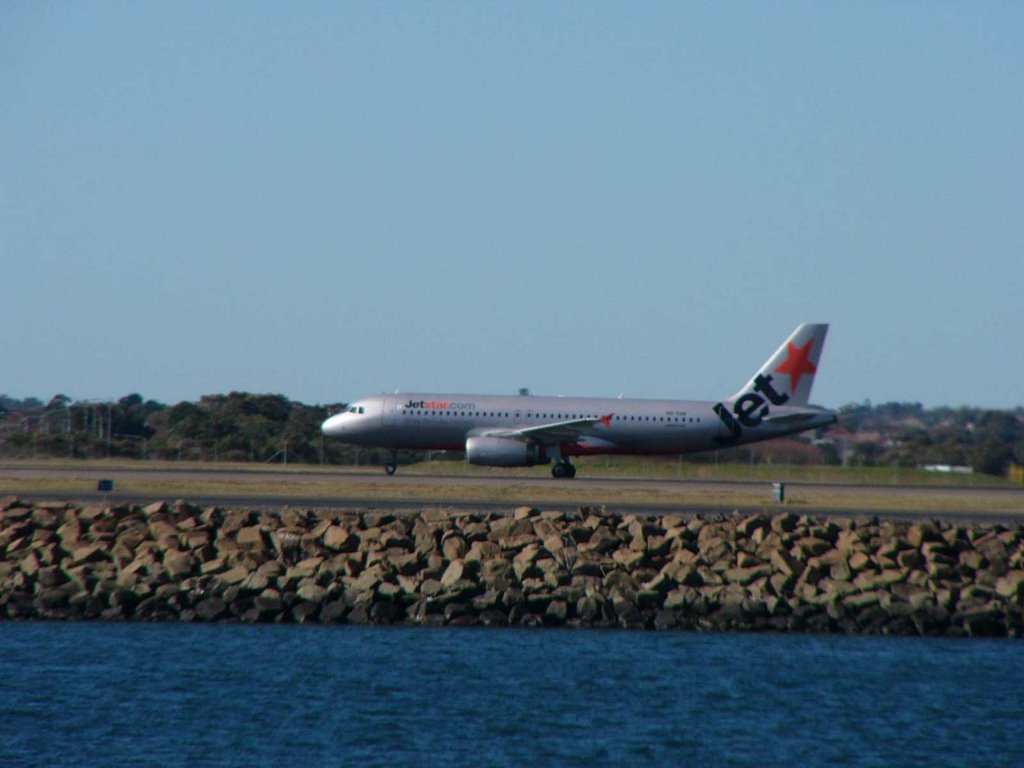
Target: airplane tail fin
788,375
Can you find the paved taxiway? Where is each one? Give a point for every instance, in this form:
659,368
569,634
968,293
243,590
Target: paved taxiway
376,476
371,489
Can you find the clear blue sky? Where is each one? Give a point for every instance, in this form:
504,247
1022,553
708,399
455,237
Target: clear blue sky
329,200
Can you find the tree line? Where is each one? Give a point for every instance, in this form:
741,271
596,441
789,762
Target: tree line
247,427
908,435
239,426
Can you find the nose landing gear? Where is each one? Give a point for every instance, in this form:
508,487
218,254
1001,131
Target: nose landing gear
392,464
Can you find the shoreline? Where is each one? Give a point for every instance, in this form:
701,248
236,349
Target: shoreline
779,572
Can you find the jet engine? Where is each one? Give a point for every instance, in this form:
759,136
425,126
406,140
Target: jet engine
503,452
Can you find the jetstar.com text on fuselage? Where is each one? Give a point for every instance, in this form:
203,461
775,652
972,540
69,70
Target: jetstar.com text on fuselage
439,405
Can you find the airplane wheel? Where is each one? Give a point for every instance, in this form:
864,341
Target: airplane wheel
563,469
390,468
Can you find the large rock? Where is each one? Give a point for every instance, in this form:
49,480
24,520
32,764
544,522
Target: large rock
254,583
859,561
340,539
29,564
333,611
311,592
453,546
497,574
841,571
1011,585
214,565
436,515
919,533
89,553
508,527
453,573
812,546
235,575
431,588
629,559
744,576
269,601
919,598
556,612
9,502
70,533
601,541
211,609
786,564
251,537
869,581
482,551
748,525
178,564
910,559
785,522
43,517
392,539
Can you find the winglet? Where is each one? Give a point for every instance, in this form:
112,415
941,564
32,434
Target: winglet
606,420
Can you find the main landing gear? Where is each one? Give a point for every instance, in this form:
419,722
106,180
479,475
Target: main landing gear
392,463
563,469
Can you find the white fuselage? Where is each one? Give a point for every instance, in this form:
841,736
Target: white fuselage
524,430
445,421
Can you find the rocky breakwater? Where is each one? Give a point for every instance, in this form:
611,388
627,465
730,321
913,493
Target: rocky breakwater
779,572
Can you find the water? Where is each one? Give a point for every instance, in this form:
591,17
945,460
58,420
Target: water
226,695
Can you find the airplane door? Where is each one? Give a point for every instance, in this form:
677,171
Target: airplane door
390,414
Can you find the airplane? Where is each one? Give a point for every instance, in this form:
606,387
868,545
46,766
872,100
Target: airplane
526,430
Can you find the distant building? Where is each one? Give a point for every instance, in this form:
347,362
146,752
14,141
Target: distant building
948,468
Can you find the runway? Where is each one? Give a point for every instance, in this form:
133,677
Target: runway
348,489
375,476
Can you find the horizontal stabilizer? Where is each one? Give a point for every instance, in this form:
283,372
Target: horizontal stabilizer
791,418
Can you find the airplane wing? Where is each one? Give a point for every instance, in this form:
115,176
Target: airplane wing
551,434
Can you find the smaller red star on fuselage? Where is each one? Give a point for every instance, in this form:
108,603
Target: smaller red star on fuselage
797,364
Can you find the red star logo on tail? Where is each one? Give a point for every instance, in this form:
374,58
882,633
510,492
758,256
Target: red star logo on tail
797,364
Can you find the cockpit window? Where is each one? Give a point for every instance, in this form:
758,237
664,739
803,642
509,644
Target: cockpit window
362,409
